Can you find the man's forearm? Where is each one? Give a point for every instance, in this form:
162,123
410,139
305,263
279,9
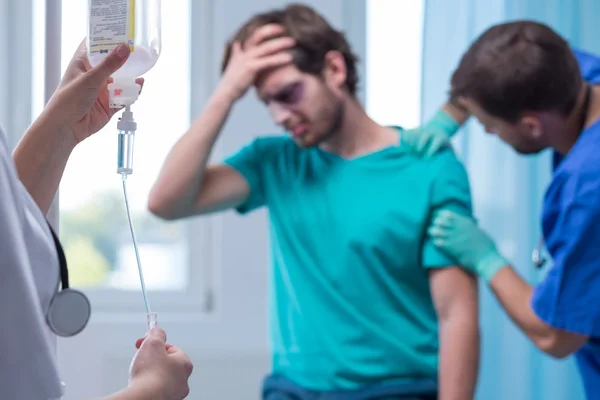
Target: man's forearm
180,180
459,358
454,295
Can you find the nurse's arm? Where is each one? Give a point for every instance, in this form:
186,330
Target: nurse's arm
42,154
454,294
515,296
41,157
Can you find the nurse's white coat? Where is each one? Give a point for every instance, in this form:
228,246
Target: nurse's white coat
29,276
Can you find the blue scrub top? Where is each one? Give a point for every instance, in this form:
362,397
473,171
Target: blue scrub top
569,297
589,65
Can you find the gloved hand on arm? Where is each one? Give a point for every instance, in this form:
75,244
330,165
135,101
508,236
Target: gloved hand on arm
432,136
461,238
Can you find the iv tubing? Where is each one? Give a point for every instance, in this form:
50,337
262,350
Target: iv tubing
127,128
135,246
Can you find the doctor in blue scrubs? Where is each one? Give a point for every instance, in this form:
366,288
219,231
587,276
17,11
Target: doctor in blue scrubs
525,84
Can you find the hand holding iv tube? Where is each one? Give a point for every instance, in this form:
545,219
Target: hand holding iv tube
138,24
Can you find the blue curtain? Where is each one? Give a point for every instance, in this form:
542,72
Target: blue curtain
507,188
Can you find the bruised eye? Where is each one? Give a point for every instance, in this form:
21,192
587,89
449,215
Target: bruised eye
291,94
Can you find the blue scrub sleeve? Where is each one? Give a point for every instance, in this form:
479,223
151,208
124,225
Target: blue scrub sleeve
450,191
589,65
569,296
248,162
27,360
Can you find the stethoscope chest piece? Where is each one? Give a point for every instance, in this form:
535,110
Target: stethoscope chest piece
69,312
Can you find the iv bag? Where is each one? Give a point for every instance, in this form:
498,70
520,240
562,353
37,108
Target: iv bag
133,22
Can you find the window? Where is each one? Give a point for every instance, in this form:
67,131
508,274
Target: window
394,52
93,221
177,258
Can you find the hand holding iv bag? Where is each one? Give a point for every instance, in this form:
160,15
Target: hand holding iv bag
133,22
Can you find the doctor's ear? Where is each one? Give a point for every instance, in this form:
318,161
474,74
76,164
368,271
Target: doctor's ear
533,126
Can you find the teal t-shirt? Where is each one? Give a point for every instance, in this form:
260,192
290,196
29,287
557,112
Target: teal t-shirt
350,304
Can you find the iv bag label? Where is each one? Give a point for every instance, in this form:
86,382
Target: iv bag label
112,22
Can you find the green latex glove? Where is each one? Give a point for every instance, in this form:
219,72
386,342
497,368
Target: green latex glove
463,240
434,135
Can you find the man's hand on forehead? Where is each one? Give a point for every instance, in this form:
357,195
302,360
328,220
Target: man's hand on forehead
257,54
264,34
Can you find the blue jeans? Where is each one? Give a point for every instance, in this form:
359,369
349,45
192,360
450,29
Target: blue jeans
280,388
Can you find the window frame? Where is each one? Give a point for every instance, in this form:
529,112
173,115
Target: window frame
16,18
199,296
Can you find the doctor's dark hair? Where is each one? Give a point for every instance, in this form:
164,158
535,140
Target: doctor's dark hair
314,38
517,67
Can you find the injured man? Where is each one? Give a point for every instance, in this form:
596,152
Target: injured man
362,304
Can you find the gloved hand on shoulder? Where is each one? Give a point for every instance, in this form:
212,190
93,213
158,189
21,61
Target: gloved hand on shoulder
432,136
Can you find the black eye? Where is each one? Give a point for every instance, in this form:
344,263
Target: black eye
291,94
283,96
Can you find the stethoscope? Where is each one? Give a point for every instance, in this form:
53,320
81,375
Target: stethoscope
70,309
537,256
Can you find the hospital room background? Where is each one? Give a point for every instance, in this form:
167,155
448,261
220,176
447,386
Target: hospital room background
207,277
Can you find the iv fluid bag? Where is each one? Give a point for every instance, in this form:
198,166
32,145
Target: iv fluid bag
134,22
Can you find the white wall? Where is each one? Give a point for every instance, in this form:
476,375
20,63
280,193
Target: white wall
229,348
